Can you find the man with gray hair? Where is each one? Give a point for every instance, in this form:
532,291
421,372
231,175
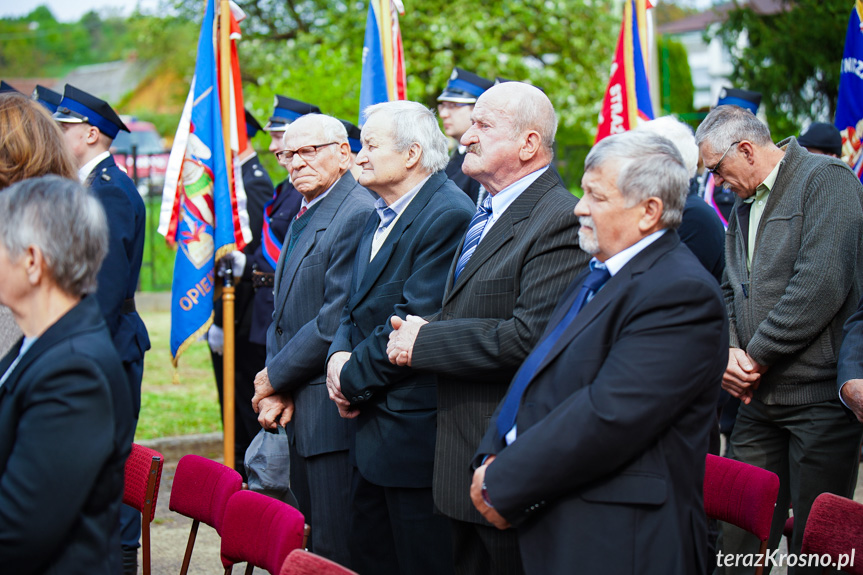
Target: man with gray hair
312,279
793,276
400,269
596,455
519,254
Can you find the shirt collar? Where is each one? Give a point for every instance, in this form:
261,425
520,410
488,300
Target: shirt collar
616,262
766,186
84,171
501,200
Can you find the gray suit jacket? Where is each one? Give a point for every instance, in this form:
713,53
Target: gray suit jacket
311,289
491,318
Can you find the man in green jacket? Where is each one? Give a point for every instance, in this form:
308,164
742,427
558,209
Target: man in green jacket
794,269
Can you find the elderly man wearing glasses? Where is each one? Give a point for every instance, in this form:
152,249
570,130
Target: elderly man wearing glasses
312,280
793,276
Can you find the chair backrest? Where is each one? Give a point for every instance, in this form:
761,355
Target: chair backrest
302,562
260,530
835,527
740,494
201,489
143,473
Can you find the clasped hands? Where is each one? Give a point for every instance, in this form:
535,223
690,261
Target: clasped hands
272,408
743,375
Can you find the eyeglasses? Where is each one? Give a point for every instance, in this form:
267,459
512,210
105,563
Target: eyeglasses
307,153
441,106
715,169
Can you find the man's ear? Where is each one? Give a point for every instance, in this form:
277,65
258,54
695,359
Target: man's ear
415,153
530,147
650,219
35,264
93,134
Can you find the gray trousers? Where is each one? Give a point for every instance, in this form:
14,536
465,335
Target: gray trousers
812,448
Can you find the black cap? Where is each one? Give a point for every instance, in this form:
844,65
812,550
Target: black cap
353,136
464,87
286,111
824,137
47,97
78,107
746,99
252,125
4,87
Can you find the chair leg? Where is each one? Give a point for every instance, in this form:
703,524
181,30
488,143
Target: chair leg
189,546
760,569
249,568
145,544
307,529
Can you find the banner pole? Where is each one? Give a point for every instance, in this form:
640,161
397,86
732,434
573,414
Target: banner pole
227,275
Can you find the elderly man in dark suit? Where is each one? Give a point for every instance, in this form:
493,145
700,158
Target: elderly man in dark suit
400,269
597,452
313,276
519,254
89,126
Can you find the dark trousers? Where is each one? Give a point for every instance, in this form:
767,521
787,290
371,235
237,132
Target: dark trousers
812,448
395,531
249,359
485,550
130,518
327,509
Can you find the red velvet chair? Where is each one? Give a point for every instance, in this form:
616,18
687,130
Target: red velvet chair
141,490
201,490
302,562
260,531
835,528
741,494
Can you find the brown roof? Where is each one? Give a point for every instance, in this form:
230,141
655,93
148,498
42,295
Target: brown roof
718,13
27,85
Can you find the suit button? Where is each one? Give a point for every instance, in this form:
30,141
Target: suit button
367,394
279,330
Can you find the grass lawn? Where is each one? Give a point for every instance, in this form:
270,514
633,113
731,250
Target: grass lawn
169,409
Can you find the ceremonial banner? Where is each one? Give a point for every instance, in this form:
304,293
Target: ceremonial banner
199,209
383,56
627,99
849,107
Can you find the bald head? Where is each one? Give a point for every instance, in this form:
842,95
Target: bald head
527,108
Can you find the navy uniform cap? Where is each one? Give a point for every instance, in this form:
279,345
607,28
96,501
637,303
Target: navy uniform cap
47,97
286,111
353,136
822,136
252,125
4,87
464,87
746,99
79,107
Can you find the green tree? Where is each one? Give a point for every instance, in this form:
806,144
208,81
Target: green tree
791,57
675,77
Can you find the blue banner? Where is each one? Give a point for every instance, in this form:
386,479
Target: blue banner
849,107
373,89
205,200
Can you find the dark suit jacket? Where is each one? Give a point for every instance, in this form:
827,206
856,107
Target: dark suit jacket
703,233
397,422
851,353
66,429
490,320
118,277
285,207
311,291
607,470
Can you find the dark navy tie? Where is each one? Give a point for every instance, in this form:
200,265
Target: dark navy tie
474,234
506,418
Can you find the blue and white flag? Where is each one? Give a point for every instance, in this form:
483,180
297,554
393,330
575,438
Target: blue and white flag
849,107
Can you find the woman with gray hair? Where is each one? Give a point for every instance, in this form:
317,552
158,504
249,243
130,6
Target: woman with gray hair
65,409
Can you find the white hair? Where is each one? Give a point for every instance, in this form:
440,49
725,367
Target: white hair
412,123
680,135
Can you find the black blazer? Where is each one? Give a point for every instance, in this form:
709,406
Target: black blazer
118,277
607,469
491,318
398,406
851,353
66,427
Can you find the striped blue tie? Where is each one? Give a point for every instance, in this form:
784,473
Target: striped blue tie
474,233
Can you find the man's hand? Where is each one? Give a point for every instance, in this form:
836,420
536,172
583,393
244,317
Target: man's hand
852,395
275,408
262,389
489,513
742,376
216,339
334,384
401,345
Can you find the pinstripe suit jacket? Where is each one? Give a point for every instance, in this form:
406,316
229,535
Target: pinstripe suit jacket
311,289
490,320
